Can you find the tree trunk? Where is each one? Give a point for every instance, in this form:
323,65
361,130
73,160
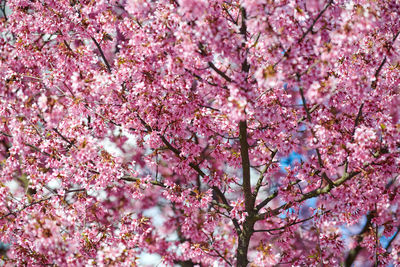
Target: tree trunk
243,243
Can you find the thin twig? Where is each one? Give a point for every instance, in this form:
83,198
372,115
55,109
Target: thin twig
320,162
133,179
220,72
194,166
314,21
102,55
377,72
357,121
5,134
64,138
261,177
287,51
25,207
317,192
287,225
38,150
392,239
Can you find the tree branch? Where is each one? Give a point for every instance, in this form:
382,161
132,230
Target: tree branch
244,152
389,244
314,21
194,166
3,9
261,177
320,162
102,55
353,253
377,72
286,53
25,207
266,201
220,72
243,28
287,225
5,134
133,179
38,150
64,138
357,121
317,192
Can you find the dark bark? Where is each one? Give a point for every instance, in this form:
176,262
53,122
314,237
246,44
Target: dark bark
351,257
244,152
243,242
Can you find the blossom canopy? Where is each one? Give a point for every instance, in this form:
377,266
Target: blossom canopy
201,133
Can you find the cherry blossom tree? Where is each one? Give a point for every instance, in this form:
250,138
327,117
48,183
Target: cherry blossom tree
136,127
